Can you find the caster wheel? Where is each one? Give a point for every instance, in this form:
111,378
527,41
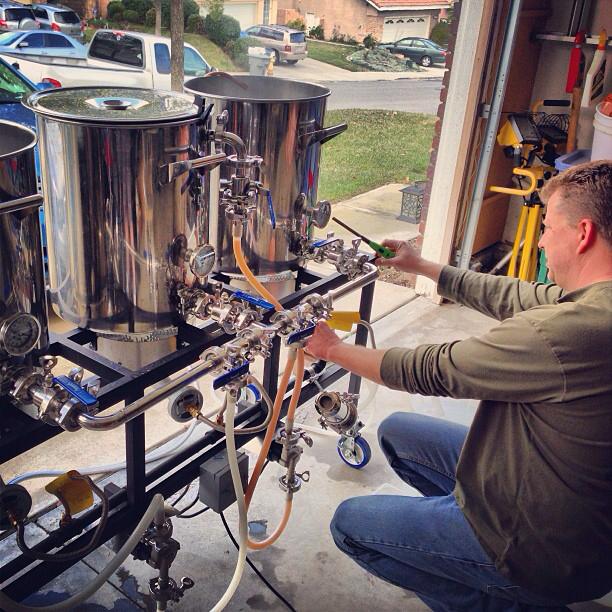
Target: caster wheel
357,457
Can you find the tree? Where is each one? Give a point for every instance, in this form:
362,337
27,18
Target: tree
158,17
177,29
215,9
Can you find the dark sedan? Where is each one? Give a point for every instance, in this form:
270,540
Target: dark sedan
421,50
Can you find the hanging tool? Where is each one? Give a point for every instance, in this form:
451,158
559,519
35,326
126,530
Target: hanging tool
573,85
594,81
378,248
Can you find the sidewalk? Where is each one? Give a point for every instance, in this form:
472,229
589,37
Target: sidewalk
320,72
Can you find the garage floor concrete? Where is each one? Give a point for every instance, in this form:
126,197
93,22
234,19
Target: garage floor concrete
304,565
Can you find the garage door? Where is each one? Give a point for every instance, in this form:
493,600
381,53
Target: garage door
244,12
395,28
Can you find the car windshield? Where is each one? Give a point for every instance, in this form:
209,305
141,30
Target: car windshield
67,17
298,37
8,38
431,43
12,88
17,14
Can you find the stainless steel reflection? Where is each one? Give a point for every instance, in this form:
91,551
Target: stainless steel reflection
280,121
22,288
121,223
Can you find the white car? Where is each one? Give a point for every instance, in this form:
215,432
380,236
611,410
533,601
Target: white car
39,42
114,58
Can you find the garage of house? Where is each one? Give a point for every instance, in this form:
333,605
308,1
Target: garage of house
167,443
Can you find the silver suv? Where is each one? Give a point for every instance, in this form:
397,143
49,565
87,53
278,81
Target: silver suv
14,16
289,45
59,19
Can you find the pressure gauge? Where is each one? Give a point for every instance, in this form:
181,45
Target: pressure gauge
19,334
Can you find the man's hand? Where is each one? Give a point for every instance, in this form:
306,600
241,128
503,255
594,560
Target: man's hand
321,342
407,259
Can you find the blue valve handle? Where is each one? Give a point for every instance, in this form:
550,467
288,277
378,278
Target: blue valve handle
251,299
299,335
230,375
271,209
75,390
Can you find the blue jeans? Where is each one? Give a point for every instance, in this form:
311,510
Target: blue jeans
425,544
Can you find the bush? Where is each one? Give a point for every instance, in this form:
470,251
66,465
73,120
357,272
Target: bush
150,18
296,24
317,33
369,41
131,16
189,8
440,33
223,30
238,50
195,24
115,10
140,7
345,39
215,8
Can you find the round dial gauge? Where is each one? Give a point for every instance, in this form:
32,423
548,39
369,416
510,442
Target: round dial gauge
19,334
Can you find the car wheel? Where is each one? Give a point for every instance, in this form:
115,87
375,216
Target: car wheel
27,24
426,61
292,62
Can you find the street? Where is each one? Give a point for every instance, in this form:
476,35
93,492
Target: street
411,95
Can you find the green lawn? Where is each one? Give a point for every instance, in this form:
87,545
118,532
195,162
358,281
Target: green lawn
333,54
212,53
379,147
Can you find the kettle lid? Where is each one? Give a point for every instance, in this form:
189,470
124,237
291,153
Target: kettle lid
113,105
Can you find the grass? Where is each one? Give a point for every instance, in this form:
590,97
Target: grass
379,147
211,52
333,54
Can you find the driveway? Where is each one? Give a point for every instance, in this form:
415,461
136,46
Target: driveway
315,71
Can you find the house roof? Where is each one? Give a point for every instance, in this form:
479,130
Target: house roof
395,5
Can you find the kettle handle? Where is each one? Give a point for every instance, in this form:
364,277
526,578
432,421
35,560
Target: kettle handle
324,134
175,169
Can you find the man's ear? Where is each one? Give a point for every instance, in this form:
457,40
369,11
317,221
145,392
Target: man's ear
586,235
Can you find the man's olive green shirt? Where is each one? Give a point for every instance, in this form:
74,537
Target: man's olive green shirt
534,478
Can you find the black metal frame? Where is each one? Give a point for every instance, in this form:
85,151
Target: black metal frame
120,384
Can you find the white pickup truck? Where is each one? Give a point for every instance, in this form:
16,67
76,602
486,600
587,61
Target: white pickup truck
117,58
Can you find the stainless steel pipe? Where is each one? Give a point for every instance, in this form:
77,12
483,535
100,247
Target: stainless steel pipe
131,411
357,283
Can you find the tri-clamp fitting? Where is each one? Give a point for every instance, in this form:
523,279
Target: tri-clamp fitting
159,549
291,481
347,260
55,400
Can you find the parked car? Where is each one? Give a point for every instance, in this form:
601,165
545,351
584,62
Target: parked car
15,16
289,45
114,58
29,42
59,19
421,50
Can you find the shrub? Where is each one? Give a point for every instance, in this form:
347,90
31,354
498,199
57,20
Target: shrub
317,32
221,31
238,50
189,8
296,24
339,37
195,24
369,41
115,10
440,33
131,16
150,18
140,7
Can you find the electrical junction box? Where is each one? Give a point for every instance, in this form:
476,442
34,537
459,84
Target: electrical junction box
216,485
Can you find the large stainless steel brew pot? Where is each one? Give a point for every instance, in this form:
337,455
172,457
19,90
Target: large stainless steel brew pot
23,311
282,122
125,206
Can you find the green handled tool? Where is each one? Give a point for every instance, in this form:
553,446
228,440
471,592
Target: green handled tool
379,248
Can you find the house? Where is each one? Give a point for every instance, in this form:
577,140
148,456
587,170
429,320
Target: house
247,12
386,20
